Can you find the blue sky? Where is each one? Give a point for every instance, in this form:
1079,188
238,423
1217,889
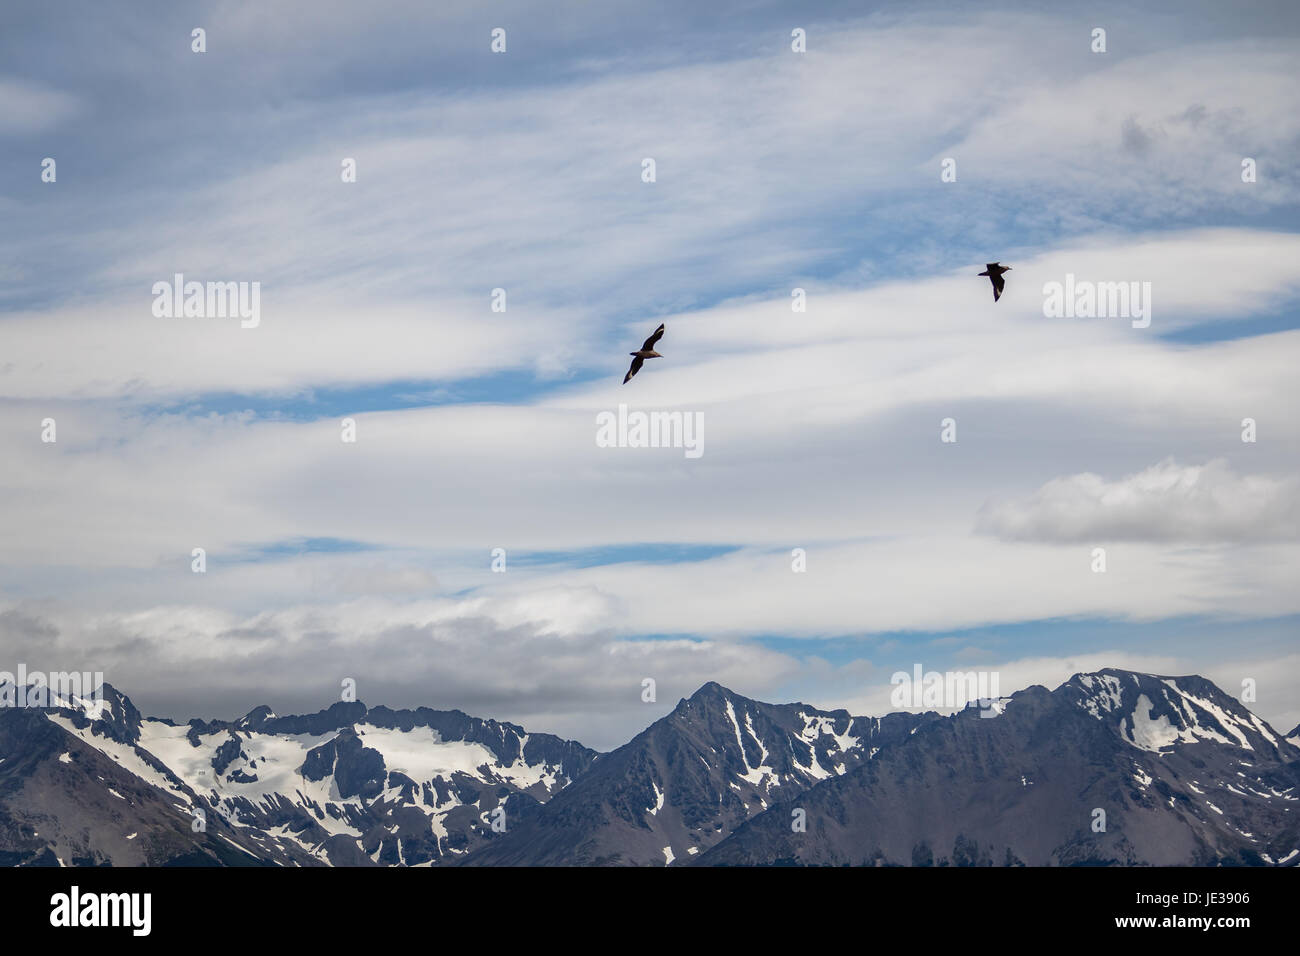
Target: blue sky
776,170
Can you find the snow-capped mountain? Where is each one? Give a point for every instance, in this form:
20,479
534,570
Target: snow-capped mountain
689,779
1111,768
350,785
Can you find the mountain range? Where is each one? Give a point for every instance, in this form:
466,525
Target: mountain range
1111,768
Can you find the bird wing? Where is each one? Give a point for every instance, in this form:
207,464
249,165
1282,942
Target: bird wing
992,266
998,285
649,343
636,367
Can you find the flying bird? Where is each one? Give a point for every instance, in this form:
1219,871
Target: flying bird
994,272
647,351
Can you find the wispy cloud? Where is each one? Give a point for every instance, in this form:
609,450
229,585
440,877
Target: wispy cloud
27,108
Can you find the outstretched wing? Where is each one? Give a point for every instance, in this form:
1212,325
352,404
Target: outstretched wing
636,367
649,343
998,285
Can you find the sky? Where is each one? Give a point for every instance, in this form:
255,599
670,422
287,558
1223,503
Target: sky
476,429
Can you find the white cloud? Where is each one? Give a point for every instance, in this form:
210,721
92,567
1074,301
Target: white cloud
1162,133
1166,502
119,349
940,582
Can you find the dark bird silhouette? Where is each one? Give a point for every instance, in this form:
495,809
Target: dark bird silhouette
994,272
647,351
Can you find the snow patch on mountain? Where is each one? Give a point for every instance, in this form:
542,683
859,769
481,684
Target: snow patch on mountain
123,754
659,800
1156,714
755,776
1108,697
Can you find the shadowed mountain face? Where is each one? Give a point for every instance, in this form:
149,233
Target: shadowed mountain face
95,783
686,781
1113,768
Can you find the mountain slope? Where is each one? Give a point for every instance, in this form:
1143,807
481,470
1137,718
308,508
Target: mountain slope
1184,774
687,780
